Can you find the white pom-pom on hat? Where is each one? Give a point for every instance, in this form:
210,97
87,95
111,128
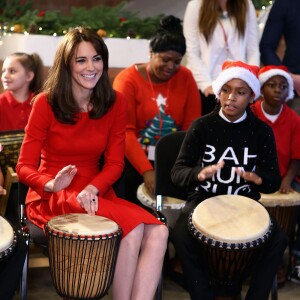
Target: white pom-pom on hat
237,70
267,72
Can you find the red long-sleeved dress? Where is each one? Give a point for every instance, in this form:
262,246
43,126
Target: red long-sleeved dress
50,145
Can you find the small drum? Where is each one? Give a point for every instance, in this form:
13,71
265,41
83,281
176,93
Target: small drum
149,200
82,254
232,229
283,207
8,239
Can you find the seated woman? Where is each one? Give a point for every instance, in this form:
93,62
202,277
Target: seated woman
162,97
77,119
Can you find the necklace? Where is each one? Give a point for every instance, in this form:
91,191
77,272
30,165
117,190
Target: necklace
225,38
158,99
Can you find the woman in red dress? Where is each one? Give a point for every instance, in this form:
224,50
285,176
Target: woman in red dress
77,120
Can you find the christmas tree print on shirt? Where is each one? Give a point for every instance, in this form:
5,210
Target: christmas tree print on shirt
159,126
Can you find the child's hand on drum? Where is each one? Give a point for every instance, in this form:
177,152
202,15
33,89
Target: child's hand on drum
62,179
88,199
285,186
249,176
209,171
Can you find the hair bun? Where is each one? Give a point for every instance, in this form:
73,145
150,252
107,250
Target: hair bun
170,23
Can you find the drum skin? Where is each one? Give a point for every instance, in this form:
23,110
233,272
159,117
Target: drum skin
231,229
8,239
82,254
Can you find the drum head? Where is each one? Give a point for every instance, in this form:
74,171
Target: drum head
149,200
279,199
231,219
7,235
82,224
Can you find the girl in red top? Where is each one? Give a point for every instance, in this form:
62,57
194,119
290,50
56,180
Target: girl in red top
21,79
76,121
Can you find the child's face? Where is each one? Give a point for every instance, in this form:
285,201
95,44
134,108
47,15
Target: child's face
235,95
14,76
275,91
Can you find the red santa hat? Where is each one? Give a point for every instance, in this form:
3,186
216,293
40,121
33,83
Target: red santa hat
267,72
237,70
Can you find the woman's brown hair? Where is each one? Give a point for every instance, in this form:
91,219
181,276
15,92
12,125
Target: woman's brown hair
58,86
209,14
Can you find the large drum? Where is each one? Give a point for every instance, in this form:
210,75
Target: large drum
8,239
232,229
283,207
82,254
149,200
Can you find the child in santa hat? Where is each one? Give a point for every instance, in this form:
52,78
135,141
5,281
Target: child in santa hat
228,151
276,89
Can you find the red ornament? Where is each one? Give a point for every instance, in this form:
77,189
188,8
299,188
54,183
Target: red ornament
41,13
123,19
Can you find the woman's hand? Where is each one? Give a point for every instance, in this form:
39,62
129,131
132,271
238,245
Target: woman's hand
88,199
208,91
209,171
149,181
2,191
62,179
249,176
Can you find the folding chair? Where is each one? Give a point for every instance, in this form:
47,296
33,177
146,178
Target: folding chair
32,234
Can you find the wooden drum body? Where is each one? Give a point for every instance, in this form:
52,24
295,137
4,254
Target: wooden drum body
82,254
283,207
8,239
232,229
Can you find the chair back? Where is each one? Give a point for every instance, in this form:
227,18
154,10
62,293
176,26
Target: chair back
11,142
166,152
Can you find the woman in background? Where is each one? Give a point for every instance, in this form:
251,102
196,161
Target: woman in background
162,97
215,31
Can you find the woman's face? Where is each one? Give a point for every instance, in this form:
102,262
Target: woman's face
163,65
275,91
235,95
14,76
86,67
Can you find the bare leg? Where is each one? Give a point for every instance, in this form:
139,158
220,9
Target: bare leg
126,264
150,262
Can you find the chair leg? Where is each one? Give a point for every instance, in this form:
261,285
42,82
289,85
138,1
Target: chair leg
23,281
274,293
159,288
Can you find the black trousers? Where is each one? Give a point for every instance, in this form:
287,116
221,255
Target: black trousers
196,274
11,270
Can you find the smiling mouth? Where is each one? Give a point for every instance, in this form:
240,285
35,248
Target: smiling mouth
89,76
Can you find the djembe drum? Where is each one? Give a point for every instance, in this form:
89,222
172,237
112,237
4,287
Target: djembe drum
82,254
8,239
149,200
283,207
231,229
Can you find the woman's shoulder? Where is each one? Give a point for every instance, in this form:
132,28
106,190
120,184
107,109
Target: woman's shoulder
40,100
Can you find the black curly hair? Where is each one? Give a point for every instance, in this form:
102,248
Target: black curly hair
169,36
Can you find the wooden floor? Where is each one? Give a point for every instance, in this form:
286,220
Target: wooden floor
40,284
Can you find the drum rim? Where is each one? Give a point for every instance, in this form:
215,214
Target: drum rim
84,237
8,251
226,245
149,202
